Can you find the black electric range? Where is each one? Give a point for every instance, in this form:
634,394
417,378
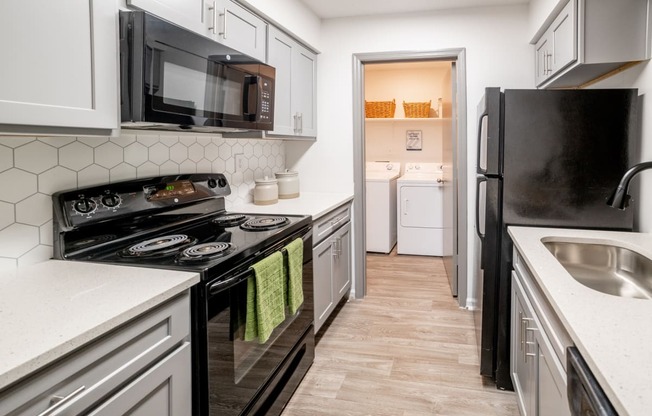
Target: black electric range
180,222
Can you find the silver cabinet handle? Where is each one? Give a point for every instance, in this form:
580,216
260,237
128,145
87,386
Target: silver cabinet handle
549,64
521,335
223,32
440,180
335,221
296,122
213,9
526,342
300,122
57,402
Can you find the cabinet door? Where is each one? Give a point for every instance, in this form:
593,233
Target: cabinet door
322,257
523,368
189,14
304,97
59,66
238,28
552,398
295,104
342,260
163,390
563,35
280,57
542,60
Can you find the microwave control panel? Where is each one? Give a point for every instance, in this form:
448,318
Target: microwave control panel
266,100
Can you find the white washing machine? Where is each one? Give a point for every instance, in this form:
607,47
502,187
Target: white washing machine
381,205
421,210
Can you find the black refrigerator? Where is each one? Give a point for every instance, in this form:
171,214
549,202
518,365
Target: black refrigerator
546,158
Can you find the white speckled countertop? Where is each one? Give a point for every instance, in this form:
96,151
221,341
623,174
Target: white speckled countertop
52,308
613,334
315,204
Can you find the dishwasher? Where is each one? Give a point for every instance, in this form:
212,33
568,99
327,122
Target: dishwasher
585,396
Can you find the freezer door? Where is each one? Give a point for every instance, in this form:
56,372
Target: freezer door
488,227
489,156
565,152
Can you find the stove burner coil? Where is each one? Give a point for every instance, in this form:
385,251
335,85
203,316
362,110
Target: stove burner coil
230,220
160,245
265,223
206,251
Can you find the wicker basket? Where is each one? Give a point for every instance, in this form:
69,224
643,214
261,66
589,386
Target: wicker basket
417,110
379,109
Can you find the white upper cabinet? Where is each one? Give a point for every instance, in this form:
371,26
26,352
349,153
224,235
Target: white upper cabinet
295,104
59,71
185,13
238,28
222,20
585,40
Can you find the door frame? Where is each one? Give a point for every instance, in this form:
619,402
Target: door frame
460,231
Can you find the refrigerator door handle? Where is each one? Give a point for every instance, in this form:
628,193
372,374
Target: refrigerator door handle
482,145
480,180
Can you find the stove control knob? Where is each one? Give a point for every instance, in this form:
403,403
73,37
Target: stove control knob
221,182
85,206
111,200
212,183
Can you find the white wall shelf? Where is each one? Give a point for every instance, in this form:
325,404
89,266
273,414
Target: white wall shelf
405,120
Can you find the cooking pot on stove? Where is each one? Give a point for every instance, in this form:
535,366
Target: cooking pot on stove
266,191
288,184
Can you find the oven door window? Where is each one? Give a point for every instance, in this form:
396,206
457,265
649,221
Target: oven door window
237,368
192,89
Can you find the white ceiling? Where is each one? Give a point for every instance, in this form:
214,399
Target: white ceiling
344,8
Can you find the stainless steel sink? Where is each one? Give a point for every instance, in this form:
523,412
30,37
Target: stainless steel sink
607,268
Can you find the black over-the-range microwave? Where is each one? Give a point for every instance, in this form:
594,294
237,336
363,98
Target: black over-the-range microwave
174,79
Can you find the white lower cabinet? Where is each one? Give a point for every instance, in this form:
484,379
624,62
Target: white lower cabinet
331,262
537,350
140,368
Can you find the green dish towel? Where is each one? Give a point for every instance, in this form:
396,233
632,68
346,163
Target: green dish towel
265,298
295,275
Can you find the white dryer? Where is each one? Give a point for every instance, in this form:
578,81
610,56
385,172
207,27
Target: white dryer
421,210
381,205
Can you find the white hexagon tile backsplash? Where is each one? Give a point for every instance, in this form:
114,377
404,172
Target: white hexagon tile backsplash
33,168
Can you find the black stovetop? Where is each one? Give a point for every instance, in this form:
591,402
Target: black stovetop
143,233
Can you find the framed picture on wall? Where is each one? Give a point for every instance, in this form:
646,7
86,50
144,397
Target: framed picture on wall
413,139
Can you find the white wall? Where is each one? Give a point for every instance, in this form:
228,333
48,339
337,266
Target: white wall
540,11
639,76
497,54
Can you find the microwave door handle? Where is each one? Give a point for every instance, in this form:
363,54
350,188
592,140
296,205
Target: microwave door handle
251,95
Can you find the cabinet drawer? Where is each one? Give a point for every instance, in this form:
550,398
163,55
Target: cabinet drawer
91,373
330,222
163,390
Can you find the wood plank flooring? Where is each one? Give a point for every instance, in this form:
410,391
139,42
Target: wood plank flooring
407,349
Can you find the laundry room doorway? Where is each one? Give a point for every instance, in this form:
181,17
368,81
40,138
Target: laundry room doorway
410,160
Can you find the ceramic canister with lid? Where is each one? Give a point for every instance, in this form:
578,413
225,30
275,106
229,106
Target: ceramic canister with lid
266,191
288,184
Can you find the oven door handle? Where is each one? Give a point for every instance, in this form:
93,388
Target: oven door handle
231,281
